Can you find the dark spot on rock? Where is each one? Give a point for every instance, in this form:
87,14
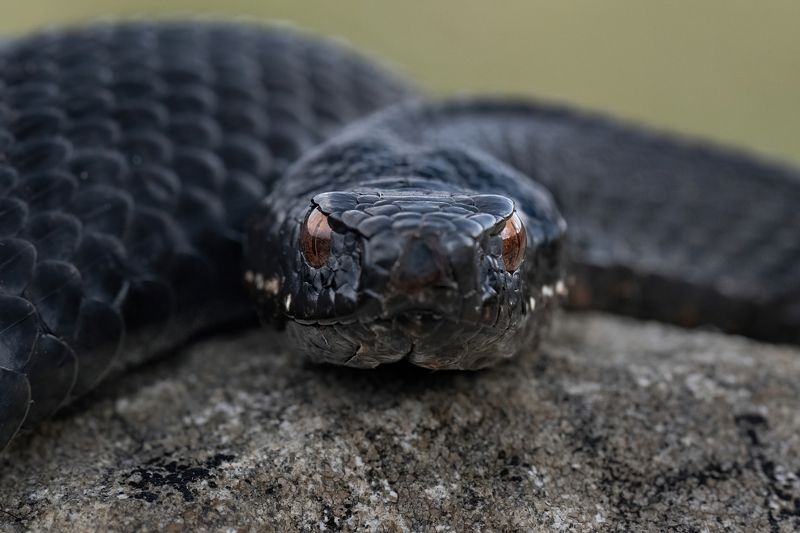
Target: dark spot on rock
332,521
752,426
159,473
146,496
749,424
754,419
218,459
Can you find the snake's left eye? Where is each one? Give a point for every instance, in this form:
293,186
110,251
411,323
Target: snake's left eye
315,238
514,242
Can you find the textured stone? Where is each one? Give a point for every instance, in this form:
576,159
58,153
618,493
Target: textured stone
615,425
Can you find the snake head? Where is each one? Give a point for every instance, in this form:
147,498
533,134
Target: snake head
444,279
373,253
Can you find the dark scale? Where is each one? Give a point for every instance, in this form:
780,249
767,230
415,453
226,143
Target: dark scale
147,170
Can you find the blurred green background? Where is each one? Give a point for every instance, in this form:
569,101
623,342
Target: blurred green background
724,69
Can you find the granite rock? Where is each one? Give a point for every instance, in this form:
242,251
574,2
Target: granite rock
612,425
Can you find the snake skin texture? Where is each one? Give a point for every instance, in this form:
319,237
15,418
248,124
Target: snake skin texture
659,228
132,157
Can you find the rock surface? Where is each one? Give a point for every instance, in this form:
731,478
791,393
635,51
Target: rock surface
614,425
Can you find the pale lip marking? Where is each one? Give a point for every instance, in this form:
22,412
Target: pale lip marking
560,289
269,285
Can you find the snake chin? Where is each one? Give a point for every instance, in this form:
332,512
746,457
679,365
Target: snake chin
431,342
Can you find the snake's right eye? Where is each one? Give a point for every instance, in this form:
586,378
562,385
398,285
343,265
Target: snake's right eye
315,238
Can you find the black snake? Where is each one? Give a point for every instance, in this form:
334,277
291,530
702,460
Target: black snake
138,160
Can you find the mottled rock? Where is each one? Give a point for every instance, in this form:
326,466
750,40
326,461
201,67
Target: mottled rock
614,425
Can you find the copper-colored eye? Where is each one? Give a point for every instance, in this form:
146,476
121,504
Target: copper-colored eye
514,242
315,238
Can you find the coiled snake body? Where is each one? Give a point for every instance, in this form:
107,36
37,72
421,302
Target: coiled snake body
138,161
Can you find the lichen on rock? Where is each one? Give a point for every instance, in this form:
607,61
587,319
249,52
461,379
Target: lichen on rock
613,425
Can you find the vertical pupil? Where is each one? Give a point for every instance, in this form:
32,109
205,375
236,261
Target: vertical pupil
315,238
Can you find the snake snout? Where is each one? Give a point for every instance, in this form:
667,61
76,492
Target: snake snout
420,266
430,275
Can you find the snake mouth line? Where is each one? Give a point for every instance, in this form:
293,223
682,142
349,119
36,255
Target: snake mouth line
387,320
557,290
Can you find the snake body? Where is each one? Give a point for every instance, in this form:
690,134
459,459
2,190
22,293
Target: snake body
138,161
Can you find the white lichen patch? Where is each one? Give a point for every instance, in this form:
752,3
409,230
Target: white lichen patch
438,492
537,478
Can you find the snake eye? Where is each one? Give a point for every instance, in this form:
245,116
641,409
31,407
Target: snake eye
315,238
514,242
